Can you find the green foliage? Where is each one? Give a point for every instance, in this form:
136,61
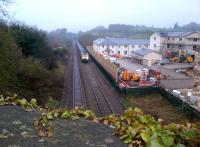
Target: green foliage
136,128
9,58
52,104
32,69
15,100
32,41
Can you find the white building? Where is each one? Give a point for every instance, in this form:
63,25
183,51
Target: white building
119,46
146,56
175,42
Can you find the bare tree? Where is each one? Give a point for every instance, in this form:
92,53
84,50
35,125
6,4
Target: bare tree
4,4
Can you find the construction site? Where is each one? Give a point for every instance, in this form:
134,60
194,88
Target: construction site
178,80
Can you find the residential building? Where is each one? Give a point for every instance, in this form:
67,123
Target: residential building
119,46
146,56
175,42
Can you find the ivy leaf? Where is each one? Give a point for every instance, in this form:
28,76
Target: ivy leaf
50,116
34,103
128,140
155,143
88,114
191,134
167,140
2,102
145,136
66,114
75,117
133,131
22,102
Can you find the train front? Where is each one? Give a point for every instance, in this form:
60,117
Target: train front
85,57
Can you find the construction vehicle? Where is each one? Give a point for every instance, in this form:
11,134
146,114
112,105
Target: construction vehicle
189,59
174,59
135,77
126,75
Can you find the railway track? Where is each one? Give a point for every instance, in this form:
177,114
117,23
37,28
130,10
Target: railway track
103,106
78,92
87,87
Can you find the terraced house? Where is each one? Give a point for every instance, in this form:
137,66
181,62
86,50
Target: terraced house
119,46
176,42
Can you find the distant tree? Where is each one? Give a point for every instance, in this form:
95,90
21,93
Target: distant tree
176,27
9,57
58,38
32,41
193,26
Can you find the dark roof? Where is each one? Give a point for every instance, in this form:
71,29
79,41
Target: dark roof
143,52
122,41
175,34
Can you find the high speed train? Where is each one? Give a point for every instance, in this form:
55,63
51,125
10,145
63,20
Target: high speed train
84,54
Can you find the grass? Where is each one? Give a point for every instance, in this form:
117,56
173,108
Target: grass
157,106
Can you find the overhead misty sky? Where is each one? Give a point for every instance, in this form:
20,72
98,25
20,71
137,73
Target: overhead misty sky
83,15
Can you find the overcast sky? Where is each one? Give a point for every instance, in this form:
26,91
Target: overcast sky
82,15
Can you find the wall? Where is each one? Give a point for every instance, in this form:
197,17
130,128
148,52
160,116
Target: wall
118,48
157,42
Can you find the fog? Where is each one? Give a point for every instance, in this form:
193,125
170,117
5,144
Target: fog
82,15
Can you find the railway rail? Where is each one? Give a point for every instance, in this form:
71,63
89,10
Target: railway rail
78,92
89,87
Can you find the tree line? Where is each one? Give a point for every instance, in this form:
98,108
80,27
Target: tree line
132,31
30,65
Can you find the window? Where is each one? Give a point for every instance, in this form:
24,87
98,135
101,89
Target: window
195,39
133,46
118,52
194,47
172,38
125,52
172,46
168,45
113,46
140,46
168,38
154,38
154,45
180,39
180,46
119,46
125,46
132,52
103,46
146,46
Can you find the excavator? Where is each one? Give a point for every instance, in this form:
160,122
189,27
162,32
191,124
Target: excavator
189,59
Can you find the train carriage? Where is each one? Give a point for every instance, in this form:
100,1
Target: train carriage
83,53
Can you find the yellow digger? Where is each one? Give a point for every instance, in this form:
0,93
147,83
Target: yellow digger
189,59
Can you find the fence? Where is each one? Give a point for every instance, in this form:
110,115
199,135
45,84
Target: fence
180,104
109,67
176,101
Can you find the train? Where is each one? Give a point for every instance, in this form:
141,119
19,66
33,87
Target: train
83,53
